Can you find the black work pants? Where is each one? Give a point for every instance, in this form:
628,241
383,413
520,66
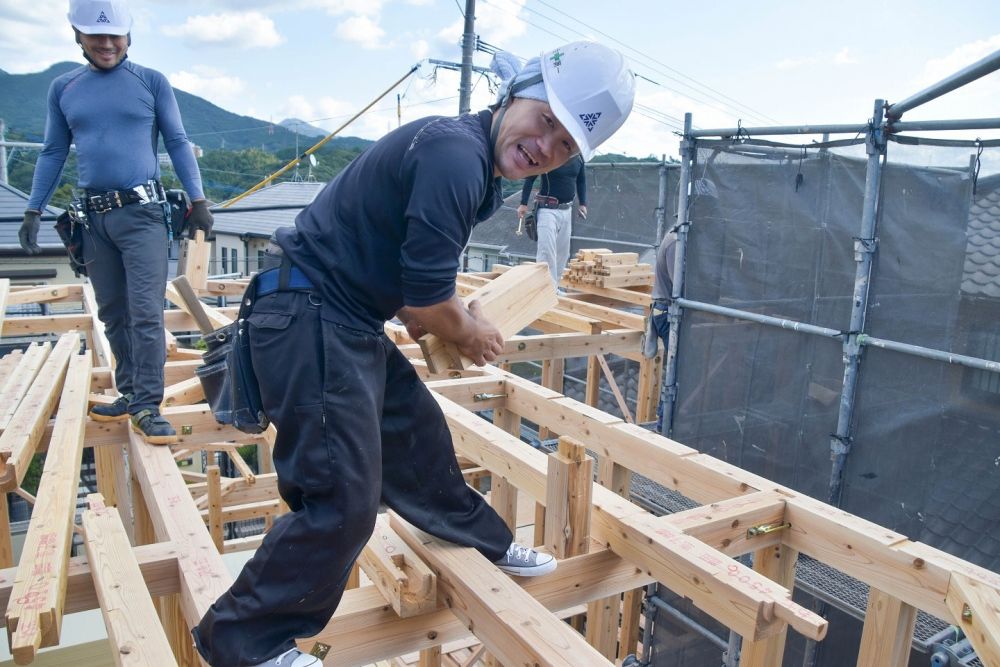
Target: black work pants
355,426
126,254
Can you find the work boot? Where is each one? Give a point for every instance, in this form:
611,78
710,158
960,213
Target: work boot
525,562
154,428
292,658
111,412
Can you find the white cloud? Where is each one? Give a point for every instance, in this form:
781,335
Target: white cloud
420,49
362,30
495,24
356,7
208,82
960,58
844,57
248,30
35,36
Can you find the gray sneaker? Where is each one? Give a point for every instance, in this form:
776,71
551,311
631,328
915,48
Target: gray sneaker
153,427
292,658
525,562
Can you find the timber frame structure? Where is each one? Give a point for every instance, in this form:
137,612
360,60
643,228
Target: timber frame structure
154,534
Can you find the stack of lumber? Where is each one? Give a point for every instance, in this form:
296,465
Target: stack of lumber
602,268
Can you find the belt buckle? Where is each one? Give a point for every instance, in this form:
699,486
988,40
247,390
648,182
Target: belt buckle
99,203
143,192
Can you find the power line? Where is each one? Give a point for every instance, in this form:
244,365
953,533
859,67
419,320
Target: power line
695,81
695,95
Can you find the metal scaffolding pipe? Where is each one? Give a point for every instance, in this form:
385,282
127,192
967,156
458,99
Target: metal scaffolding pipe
769,320
935,125
929,353
689,623
669,391
864,248
661,203
853,128
989,64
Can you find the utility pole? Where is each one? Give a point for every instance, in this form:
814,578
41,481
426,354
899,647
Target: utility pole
3,152
468,48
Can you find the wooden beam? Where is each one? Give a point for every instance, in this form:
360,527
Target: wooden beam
511,302
610,377
158,563
46,294
134,630
514,626
20,440
407,584
888,631
567,345
185,392
34,618
203,575
976,609
33,325
194,259
215,507
181,293
365,629
723,525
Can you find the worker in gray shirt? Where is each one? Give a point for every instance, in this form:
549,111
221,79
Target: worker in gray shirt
115,111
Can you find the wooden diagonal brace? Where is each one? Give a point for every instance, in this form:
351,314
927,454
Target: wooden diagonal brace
405,581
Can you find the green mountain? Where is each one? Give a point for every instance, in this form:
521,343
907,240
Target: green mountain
23,108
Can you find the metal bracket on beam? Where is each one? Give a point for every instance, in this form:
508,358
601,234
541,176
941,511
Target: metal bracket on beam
765,528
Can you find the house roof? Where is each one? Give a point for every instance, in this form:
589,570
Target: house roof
12,205
297,194
981,274
620,223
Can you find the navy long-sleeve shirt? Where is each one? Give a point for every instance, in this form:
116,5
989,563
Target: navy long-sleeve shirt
115,118
561,183
389,230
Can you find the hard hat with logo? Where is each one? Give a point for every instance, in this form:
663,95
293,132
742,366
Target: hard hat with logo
590,89
100,17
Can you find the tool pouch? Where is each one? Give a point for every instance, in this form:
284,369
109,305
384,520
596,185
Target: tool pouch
227,375
531,223
70,232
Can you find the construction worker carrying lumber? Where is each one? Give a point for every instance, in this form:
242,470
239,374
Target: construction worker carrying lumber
356,426
554,212
115,111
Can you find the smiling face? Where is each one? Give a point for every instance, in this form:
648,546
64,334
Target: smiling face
104,51
531,141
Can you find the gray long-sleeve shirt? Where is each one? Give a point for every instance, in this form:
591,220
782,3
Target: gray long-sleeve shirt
115,118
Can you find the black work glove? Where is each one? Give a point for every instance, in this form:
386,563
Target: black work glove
28,235
200,218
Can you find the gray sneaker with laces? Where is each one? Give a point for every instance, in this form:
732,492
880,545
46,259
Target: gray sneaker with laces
524,561
292,658
111,412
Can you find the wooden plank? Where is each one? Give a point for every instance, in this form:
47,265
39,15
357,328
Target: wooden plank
511,302
723,525
407,584
6,548
514,626
34,618
975,607
194,260
8,364
44,324
181,293
20,440
566,345
610,377
20,380
134,629
888,631
179,320
46,294
185,392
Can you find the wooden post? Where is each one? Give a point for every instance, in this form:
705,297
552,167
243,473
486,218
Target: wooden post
430,657
888,631
193,262
6,550
553,372
778,564
593,391
215,507
602,615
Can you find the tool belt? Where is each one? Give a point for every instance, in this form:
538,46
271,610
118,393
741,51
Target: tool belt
544,201
102,202
227,374
69,226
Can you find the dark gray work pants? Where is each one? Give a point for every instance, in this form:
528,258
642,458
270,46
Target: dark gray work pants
126,254
355,425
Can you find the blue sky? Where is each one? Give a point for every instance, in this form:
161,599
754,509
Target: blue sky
761,63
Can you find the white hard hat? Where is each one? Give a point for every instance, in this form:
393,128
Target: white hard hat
100,17
590,90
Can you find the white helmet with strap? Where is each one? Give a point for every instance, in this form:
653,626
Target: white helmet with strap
590,89
100,17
